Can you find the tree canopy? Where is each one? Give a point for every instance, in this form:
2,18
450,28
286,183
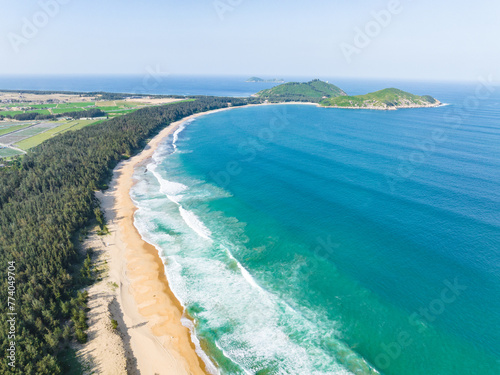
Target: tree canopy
46,197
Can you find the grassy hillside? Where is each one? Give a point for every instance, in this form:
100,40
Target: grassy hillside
312,91
384,99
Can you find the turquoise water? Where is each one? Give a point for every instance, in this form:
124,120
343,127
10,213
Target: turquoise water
304,240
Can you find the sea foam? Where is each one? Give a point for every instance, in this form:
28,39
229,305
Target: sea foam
255,325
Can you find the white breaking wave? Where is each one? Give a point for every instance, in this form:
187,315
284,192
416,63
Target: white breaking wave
195,223
175,136
260,335
210,367
169,188
173,190
246,275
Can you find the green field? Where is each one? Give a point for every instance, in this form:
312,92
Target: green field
30,132
10,113
15,105
42,105
24,105
109,103
108,109
31,105
114,108
13,113
28,143
40,111
130,104
76,105
12,128
8,152
56,111
121,113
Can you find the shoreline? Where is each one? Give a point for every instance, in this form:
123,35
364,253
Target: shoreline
150,314
135,292
394,108
154,340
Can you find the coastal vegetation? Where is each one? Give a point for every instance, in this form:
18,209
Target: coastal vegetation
35,115
27,125
46,201
100,94
64,126
384,99
329,95
313,92
31,111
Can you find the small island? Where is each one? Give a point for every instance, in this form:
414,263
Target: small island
272,80
387,99
328,95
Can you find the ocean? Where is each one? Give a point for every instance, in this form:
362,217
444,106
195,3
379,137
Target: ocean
153,81
304,240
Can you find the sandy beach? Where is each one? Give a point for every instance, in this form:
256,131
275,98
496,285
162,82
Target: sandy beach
153,340
135,290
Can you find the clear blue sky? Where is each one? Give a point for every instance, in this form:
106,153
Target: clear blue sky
425,40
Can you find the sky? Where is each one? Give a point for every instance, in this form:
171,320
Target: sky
401,39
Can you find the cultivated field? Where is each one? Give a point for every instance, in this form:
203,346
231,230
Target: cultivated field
19,136
8,153
63,127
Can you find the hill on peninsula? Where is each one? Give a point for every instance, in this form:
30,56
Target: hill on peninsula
383,99
313,91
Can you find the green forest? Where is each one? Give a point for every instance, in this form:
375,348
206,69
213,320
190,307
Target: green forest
311,92
90,113
383,98
47,200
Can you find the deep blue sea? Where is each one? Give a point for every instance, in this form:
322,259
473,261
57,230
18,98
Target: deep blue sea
151,82
305,240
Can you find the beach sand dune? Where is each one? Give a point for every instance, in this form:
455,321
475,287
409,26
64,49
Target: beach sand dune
152,337
135,292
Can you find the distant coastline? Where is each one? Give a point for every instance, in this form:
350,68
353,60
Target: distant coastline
387,108
270,80
145,295
329,95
